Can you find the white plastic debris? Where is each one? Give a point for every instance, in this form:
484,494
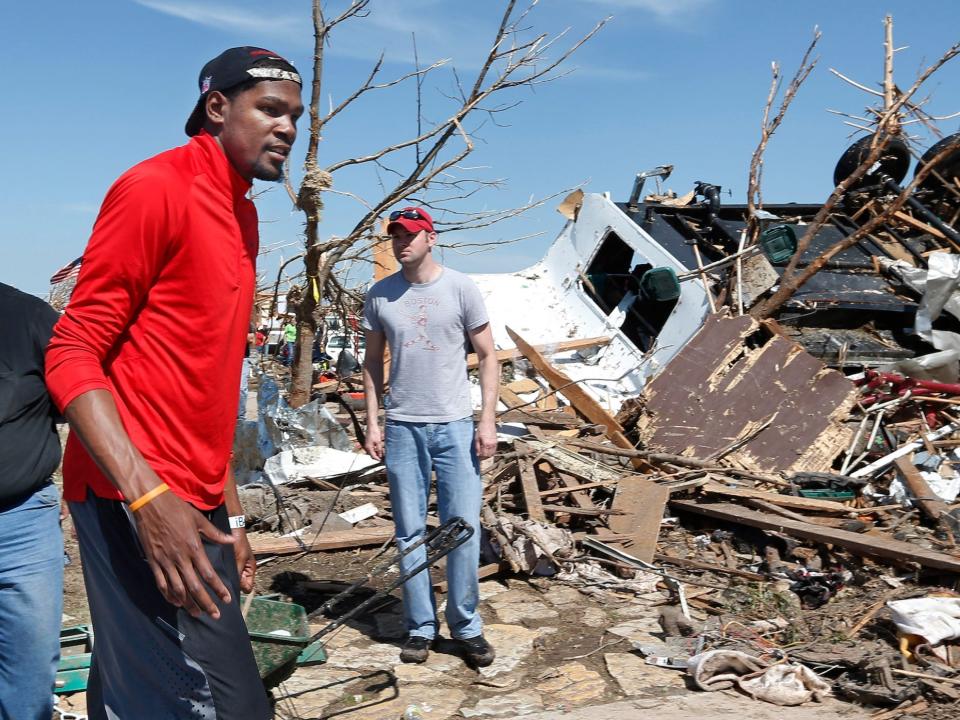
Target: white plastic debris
935,619
361,512
314,462
781,684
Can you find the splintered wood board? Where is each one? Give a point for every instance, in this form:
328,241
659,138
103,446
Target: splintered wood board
716,392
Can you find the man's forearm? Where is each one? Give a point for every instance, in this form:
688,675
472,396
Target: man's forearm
489,387
94,417
372,390
230,496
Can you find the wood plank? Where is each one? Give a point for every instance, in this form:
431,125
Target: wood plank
524,385
509,398
531,492
788,501
642,503
577,488
532,417
473,362
582,402
547,401
335,540
571,462
923,496
573,484
712,567
870,544
919,225
595,512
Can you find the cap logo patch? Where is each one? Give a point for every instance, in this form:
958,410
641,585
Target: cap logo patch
205,85
274,74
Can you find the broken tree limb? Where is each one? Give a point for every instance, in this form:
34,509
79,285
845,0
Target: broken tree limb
581,401
863,544
513,353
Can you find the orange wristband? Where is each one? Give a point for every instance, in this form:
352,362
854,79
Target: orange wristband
148,496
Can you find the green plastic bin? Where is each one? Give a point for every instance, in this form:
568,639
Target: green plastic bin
279,632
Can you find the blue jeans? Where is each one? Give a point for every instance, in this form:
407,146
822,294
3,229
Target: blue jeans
31,600
412,451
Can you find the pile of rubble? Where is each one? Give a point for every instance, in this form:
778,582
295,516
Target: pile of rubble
799,524
781,492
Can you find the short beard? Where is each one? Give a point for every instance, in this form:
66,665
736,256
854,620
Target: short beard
268,173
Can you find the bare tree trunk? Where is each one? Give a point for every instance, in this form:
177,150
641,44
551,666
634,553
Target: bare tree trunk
511,62
310,201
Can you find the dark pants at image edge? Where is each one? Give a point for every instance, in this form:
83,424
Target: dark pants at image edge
151,659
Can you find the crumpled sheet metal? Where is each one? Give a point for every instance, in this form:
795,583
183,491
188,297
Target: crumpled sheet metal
281,427
940,286
781,684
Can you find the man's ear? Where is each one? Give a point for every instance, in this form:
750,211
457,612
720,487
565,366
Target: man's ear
431,239
215,105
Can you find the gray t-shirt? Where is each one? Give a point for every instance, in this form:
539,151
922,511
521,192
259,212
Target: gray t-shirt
426,327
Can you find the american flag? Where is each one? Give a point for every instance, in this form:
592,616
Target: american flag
70,270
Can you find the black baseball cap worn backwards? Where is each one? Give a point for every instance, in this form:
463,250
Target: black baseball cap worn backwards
235,66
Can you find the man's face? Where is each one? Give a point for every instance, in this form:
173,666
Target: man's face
410,248
258,127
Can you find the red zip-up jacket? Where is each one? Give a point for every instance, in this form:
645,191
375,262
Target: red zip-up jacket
159,318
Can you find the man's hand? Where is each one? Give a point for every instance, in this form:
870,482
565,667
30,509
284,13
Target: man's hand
170,532
486,441
374,441
246,562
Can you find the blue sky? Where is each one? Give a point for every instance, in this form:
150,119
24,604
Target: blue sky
92,88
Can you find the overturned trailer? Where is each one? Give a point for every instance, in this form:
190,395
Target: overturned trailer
638,271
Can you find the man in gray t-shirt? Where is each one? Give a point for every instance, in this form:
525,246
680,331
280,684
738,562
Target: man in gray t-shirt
429,316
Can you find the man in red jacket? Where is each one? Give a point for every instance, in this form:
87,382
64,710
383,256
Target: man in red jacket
146,468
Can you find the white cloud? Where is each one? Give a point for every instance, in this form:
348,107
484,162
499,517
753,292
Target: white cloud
668,11
229,17
441,31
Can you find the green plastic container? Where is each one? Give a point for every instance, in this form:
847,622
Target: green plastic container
76,642
779,243
660,284
279,632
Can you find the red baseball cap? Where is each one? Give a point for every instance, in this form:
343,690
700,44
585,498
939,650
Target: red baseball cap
411,219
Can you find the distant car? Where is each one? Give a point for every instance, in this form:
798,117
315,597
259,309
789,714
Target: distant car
356,344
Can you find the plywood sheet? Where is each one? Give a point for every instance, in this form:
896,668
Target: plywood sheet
769,408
